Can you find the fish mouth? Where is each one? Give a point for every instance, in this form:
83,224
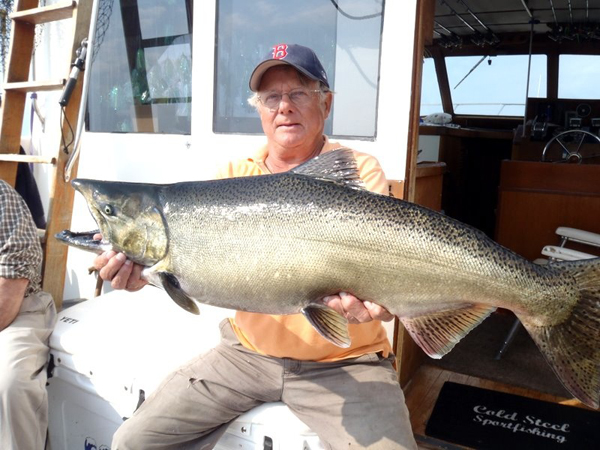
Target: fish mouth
84,240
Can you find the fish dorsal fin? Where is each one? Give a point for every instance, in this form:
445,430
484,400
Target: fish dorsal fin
329,323
336,166
170,283
439,332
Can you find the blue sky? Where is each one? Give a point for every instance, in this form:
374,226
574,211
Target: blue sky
504,82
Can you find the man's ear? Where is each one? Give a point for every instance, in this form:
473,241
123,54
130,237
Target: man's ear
327,102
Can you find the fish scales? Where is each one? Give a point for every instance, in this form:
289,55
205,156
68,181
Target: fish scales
339,237
279,243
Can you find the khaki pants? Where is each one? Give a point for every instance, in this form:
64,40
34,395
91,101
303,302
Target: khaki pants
351,404
23,356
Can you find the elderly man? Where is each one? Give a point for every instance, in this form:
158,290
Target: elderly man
350,397
27,317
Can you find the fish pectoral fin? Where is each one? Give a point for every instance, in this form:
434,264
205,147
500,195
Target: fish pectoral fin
437,333
330,324
170,283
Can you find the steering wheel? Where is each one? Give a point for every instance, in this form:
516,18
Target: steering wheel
566,146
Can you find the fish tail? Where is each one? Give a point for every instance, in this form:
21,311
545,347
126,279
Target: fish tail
572,348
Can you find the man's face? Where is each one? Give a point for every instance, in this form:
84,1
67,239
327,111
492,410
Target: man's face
291,126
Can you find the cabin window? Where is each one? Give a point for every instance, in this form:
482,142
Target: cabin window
578,76
431,99
141,68
345,34
494,86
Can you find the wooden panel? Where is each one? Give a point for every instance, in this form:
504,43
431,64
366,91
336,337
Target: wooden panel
572,178
23,5
426,11
61,207
10,133
27,158
35,86
410,355
536,198
17,75
428,192
442,76
423,16
429,185
45,14
484,133
17,69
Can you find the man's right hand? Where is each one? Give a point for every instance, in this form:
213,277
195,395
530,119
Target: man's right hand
120,271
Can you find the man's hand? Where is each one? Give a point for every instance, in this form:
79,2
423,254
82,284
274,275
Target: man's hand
355,310
120,271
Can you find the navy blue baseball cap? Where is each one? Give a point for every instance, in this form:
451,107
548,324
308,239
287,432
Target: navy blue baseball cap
301,58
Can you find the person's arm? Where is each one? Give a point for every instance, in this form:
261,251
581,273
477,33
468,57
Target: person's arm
20,254
12,292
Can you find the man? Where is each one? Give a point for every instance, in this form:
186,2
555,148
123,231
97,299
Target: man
27,317
349,397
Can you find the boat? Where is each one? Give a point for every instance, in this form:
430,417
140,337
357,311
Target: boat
485,110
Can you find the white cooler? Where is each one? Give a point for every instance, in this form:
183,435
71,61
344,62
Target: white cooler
112,351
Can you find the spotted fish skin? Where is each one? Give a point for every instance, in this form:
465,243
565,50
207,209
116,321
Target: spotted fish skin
278,244
306,238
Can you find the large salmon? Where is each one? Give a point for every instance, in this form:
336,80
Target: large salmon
278,244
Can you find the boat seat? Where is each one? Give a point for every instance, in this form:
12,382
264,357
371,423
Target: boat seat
560,252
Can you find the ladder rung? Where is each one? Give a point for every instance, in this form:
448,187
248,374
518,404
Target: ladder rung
35,86
45,14
14,157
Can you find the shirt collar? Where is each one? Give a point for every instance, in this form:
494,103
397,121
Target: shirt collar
261,154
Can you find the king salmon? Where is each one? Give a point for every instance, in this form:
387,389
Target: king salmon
278,244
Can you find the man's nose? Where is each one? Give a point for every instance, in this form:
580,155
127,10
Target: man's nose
285,103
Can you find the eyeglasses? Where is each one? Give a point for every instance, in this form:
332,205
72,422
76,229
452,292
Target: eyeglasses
299,97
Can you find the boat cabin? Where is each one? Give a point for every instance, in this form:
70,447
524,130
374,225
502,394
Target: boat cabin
485,110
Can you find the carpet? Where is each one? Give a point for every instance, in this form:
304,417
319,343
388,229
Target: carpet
491,420
521,365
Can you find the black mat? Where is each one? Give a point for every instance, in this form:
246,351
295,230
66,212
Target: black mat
490,420
521,365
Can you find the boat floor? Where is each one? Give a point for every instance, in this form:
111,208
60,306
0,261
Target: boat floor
422,392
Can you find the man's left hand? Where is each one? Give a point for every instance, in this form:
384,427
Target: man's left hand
355,310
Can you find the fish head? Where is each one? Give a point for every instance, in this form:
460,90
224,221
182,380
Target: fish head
129,217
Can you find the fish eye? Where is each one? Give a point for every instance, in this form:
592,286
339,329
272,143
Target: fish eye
108,210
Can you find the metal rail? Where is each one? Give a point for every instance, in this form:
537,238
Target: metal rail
553,11
474,16
458,16
527,9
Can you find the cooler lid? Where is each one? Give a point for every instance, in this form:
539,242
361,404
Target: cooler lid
138,335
